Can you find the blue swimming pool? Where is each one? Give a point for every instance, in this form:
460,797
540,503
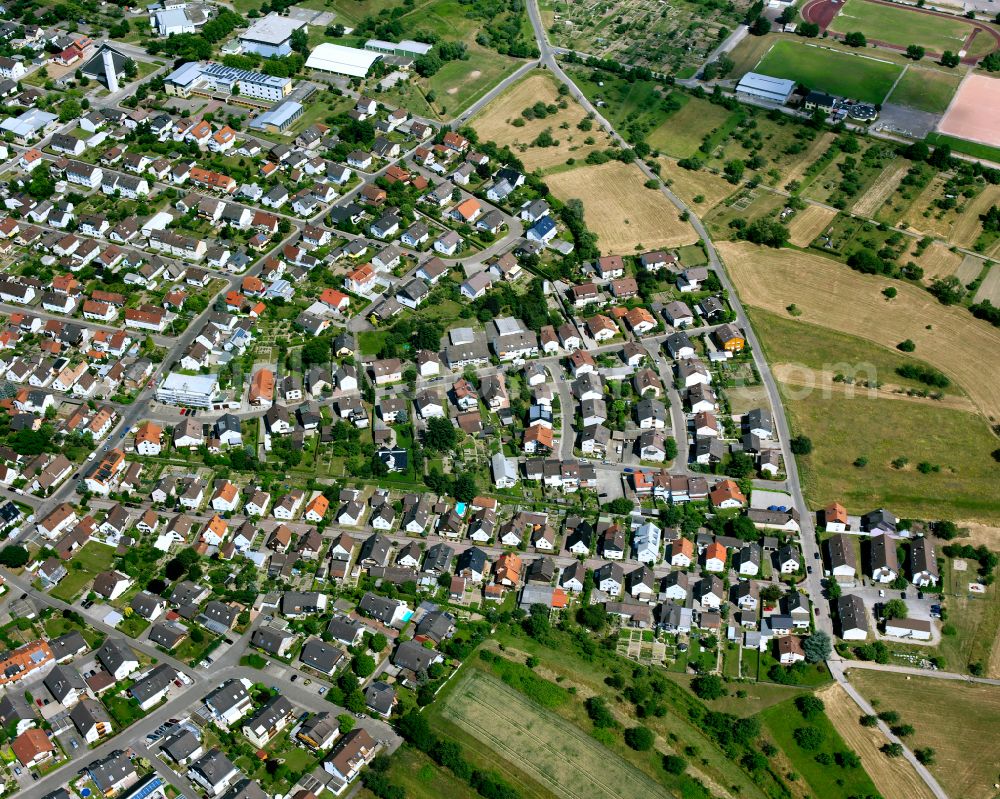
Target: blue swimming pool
408,615
460,508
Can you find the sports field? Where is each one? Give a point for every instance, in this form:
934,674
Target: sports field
958,720
901,27
556,754
625,215
925,89
975,112
846,75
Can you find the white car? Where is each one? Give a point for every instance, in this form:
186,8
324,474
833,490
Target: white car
881,593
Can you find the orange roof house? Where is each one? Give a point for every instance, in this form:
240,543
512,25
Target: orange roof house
317,508
32,747
261,387
640,320
508,569
216,530
726,494
335,299
150,432
21,662
252,285
835,513
467,210
715,551
537,437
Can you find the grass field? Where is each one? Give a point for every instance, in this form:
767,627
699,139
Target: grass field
831,71
458,84
422,778
833,296
925,89
626,216
958,720
901,27
558,755
681,134
894,777
828,782
494,123
972,148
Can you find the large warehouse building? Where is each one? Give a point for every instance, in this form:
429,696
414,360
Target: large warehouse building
351,61
754,86
271,36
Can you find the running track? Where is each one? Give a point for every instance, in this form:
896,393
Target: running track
822,13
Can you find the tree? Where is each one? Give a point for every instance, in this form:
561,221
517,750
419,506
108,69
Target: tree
440,434
465,488
13,556
903,730
593,616
889,292
809,705
869,720
924,755
760,27
674,764
708,686
377,642
915,51
620,506
893,750
855,39
906,345
69,109
894,609
639,738
801,445
818,647
808,29
808,738
363,665
744,528
950,59
734,170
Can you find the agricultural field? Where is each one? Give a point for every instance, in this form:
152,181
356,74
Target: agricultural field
495,123
701,190
833,296
626,216
829,782
937,261
894,777
881,189
953,718
808,223
860,77
960,225
901,27
925,89
990,287
672,38
556,754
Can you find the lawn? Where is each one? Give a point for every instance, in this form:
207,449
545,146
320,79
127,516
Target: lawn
826,781
972,148
858,77
958,720
58,625
92,559
133,626
682,132
925,90
458,84
901,27
123,710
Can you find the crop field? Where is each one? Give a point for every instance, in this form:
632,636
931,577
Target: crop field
960,225
989,289
894,777
832,295
901,27
925,89
557,754
829,782
970,268
808,223
881,189
495,123
688,185
859,77
626,216
937,261
956,719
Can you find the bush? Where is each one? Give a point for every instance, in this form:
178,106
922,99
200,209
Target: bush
639,738
708,686
801,445
598,712
674,764
906,345
809,705
809,739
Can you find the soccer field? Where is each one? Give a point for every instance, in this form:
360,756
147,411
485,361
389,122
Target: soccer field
900,26
843,74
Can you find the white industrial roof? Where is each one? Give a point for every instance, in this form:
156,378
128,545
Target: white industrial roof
273,29
195,384
351,61
29,122
766,87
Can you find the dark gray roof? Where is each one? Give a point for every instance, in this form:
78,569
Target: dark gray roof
413,656
111,770
62,681
344,629
154,682
380,697
436,625
68,644
114,653
181,744
319,655
214,765
226,696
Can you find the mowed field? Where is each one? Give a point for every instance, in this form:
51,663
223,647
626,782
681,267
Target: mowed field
831,295
495,123
625,215
958,720
881,190
860,77
553,752
809,223
937,261
689,185
894,777
901,27
681,134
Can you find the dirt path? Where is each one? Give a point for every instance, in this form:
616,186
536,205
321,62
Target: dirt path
794,375
894,777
